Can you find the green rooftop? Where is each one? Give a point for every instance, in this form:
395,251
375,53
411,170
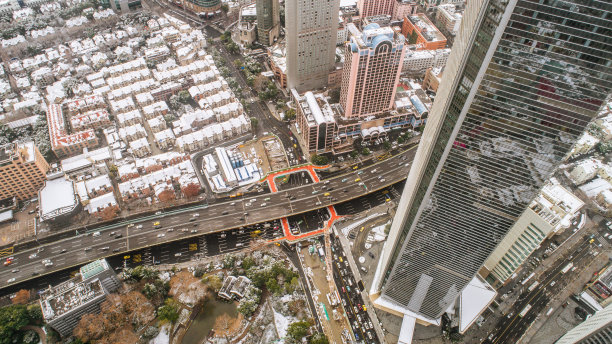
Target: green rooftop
93,268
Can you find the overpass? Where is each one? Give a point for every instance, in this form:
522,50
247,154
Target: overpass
194,221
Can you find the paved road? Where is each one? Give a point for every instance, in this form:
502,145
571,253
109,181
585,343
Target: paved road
511,328
234,213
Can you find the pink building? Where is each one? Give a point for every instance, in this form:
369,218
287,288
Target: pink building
372,67
404,8
368,8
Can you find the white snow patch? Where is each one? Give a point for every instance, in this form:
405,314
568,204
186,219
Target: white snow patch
163,337
282,324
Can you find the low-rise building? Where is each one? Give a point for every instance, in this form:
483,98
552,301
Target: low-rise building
432,80
449,16
64,143
58,199
548,214
90,120
585,170
63,306
419,30
416,62
140,148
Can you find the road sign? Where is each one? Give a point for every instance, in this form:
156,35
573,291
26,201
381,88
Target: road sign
193,247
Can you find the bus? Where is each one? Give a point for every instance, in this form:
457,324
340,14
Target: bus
549,311
533,286
567,268
528,278
525,310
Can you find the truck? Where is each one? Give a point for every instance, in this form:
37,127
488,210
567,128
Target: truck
525,310
528,278
567,267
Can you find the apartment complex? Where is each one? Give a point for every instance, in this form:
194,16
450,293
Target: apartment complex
64,143
368,8
22,170
63,305
449,17
315,120
311,30
419,30
595,330
268,21
550,213
510,106
372,67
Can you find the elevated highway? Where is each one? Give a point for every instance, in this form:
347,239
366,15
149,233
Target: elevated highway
197,220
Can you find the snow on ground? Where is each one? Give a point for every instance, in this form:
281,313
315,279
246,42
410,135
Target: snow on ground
378,232
286,298
163,337
282,323
353,225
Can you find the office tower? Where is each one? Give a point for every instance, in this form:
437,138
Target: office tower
22,170
268,21
311,29
595,330
373,62
368,8
523,80
203,7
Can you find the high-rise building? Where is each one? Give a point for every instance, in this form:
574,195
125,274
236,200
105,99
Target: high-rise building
206,8
311,29
373,62
22,170
523,80
268,21
63,306
596,329
368,8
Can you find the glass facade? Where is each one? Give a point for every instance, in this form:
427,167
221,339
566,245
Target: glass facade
548,75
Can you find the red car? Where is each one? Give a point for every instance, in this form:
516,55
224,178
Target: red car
8,261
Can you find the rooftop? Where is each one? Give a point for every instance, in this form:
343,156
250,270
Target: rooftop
429,31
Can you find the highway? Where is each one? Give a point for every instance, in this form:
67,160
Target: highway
182,223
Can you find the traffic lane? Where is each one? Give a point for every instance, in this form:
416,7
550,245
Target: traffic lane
582,254
215,209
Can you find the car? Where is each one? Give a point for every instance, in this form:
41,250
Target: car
96,234
263,204
194,231
111,233
225,212
15,271
185,230
382,180
195,215
116,250
327,194
344,180
106,248
118,236
35,273
355,309
156,224
10,280
161,235
315,192
364,308
553,283
139,227
87,249
178,254
371,255
364,269
357,180
192,219
159,212
370,335
33,255
130,225
63,250
318,203
233,203
222,235
47,262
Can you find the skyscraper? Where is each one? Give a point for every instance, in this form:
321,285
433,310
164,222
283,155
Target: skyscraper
523,80
311,27
268,21
596,329
373,62
368,8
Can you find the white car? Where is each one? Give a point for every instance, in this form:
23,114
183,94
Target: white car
161,235
139,227
11,280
